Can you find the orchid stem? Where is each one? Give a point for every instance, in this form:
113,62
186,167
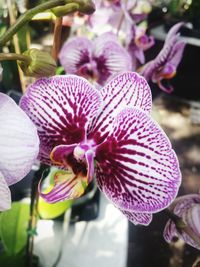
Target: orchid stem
57,37
12,16
26,17
31,231
182,226
121,19
14,56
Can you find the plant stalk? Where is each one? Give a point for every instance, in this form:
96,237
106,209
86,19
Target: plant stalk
14,56
26,17
57,37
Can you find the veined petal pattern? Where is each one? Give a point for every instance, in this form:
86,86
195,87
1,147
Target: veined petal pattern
126,89
61,108
136,167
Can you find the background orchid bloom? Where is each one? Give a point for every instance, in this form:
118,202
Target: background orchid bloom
135,168
138,43
98,59
165,64
117,16
188,208
19,147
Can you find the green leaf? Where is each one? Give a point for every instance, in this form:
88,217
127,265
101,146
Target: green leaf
13,227
51,211
15,260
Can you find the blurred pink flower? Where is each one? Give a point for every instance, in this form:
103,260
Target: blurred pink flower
164,66
138,43
97,60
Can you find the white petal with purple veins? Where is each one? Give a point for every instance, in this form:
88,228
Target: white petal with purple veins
126,89
136,166
191,216
19,142
5,200
75,53
138,218
110,56
61,107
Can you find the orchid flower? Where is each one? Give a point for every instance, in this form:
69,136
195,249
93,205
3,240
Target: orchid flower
117,14
135,166
165,64
97,60
19,147
188,208
139,42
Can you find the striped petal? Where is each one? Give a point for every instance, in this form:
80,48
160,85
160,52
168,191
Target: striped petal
60,107
191,217
174,31
5,200
67,186
188,208
75,53
183,203
170,231
110,56
136,166
126,89
19,142
138,218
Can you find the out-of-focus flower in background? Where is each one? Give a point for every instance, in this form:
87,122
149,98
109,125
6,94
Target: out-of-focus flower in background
118,15
19,147
138,43
97,60
188,209
164,66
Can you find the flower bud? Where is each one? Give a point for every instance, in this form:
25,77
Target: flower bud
86,6
41,64
61,11
83,6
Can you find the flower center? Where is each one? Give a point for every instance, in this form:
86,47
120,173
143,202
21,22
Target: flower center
79,153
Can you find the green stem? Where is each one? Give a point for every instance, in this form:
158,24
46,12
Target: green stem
14,56
27,16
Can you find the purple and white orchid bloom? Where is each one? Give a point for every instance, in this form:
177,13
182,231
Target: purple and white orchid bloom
139,42
116,16
164,66
19,147
135,166
97,60
188,208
